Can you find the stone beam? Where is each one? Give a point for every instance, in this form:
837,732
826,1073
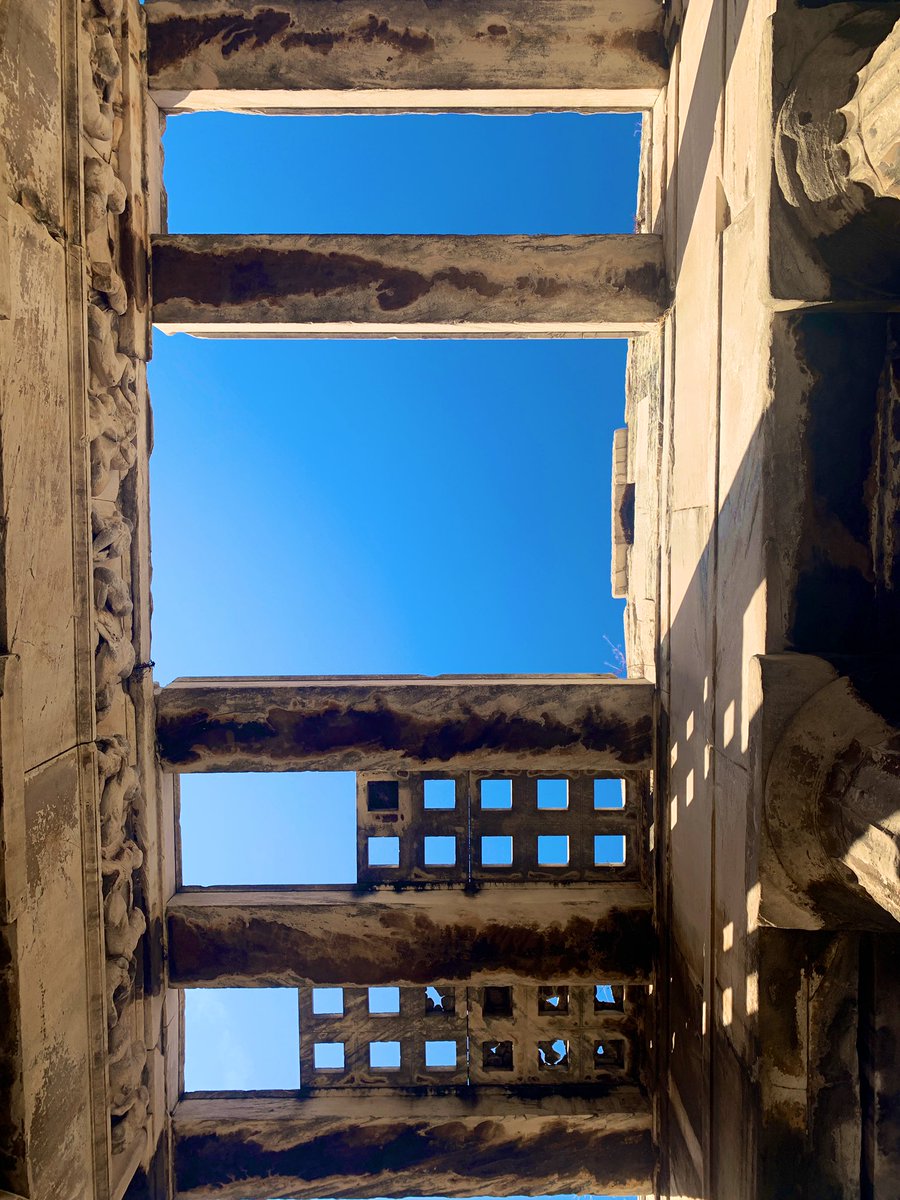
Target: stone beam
217,285
262,938
392,723
296,55
247,1148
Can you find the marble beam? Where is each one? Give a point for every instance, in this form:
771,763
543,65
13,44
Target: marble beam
361,1145
346,285
269,938
300,55
391,723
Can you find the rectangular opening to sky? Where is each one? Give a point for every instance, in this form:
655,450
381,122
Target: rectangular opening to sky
373,506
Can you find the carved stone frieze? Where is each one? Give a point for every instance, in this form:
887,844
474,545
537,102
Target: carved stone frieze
114,403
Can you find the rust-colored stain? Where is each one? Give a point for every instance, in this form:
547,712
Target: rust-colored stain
285,733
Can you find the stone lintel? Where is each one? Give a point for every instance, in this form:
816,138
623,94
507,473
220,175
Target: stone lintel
250,1148
262,938
393,723
287,53
378,285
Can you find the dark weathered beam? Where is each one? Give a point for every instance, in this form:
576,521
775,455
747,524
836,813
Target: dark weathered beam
387,1145
348,723
271,938
290,55
218,285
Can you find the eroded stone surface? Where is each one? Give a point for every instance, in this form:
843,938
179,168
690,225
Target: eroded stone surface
345,723
230,45
215,284
283,939
270,1147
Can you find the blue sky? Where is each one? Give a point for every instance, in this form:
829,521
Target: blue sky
378,506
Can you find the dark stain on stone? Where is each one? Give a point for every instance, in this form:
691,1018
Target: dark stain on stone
353,1159
286,734
223,276
648,44
381,31
173,40
223,943
626,513
646,280
323,41
497,30
240,277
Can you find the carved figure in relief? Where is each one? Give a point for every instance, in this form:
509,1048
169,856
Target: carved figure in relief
112,535
113,416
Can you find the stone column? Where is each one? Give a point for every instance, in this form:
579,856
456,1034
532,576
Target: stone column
294,55
331,937
374,286
391,723
384,1144
837,155
832,804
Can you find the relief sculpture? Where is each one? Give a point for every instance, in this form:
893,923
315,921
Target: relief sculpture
113,408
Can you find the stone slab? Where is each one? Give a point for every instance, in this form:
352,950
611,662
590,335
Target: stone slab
250,1150
250,285
263,938
200,51
343,723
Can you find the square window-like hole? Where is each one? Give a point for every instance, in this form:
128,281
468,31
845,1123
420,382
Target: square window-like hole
237,1039
609,793
439,793
440,1000
496,851
384,1056
496,793
384,1000
609,849
607,997
497,1056
440,851
440,1055
497,1001
384,851
553,1055
553,850
609,1054
553,793
382,795
328,1001
553,1000
328,1056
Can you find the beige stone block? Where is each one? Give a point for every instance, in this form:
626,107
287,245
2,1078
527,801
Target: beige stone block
30,105
37,491
56,988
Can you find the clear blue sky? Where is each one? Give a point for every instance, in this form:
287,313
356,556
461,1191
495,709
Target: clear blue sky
380,506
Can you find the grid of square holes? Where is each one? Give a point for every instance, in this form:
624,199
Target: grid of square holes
501,828
387,1036
445,1034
